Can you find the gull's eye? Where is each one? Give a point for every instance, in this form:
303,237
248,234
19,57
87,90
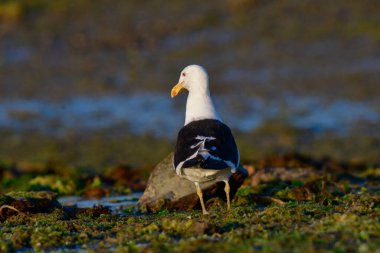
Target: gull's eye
183,74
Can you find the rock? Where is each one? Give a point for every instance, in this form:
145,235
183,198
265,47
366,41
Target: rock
17,204
318,189
166,190
270,174
96,211
96,193
128,177
258,200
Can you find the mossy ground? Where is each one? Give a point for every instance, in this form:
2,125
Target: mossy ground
335,207
348,224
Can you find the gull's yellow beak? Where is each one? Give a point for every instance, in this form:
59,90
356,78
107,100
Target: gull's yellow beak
176,89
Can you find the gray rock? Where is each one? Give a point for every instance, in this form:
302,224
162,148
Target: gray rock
166,190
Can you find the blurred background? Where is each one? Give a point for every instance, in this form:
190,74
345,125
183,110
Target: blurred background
87,83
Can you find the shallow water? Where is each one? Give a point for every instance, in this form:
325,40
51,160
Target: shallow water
115,203
156,113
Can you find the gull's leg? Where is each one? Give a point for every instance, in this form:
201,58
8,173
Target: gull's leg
227,190
200,195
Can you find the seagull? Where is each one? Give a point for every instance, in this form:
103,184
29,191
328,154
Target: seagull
205,150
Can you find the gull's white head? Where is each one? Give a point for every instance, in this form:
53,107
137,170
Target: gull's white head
193,77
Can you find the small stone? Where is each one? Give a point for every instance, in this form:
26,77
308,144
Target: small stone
96,192
127,177
201,227
316,189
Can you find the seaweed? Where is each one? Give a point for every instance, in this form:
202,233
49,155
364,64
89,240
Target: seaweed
307,214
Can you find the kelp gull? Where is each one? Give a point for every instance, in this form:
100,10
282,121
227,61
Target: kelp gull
205,150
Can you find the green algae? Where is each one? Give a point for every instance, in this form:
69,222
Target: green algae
54,183
303,215
299,226
33,194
